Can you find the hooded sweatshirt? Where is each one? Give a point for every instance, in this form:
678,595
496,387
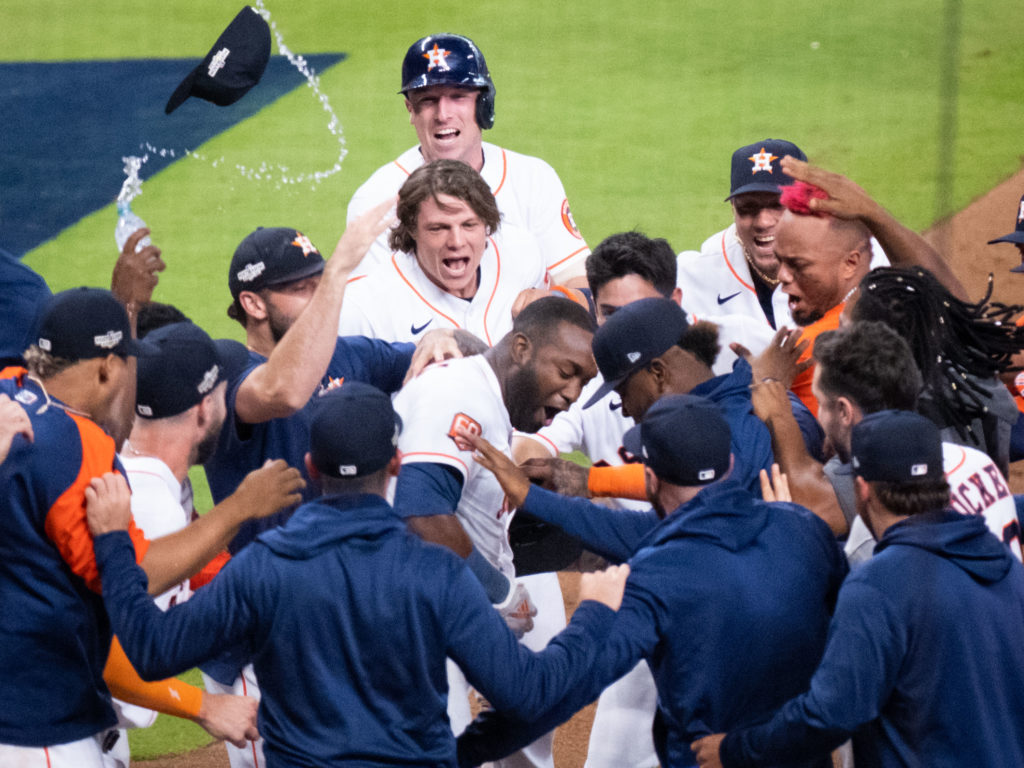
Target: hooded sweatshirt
925,659
728,600
349,619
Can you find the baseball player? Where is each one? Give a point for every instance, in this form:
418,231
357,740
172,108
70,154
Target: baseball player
343,594
707,543
532,374
923,665
55,636
451,266
450,98
736,270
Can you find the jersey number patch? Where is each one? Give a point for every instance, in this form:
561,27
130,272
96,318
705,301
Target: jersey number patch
466,423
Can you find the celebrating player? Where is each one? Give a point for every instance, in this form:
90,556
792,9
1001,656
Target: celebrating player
925,640
452,266
449,94
342,595
728,601
532,374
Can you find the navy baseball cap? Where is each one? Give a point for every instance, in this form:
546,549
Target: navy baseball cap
1017,236
272,256
896,447
632,337
354,431
83,323
182,368
233,66
758,167
684,439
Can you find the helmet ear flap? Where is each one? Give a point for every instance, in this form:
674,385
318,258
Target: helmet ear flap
485,108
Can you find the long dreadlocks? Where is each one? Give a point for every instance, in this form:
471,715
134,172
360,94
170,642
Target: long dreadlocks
958,346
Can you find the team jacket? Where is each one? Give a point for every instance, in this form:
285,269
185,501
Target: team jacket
924,664
54,632
349,619
728,600
241,448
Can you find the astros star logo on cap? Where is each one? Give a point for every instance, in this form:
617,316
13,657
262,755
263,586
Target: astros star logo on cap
303,242
436,58
762,161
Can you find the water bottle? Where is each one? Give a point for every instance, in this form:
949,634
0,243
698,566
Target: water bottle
127,223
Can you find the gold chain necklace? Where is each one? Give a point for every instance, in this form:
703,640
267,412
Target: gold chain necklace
771,282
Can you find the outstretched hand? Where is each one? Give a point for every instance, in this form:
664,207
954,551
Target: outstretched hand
229,718
108,504
135,273
269,489
512,479
846,199
14,421
775,488
435,347
605,586
779,360
360,234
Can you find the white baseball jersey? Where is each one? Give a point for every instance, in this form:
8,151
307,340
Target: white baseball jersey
396,301
977,487
462,393
717,280
528,192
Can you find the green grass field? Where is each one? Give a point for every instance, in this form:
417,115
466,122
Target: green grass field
637,106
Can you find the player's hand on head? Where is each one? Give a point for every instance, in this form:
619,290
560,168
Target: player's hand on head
513,481
776,487
434,347
135,273
707,750
14,421
558,475
269,489
518,610
108,504
229,718
846,199
605,586
359,236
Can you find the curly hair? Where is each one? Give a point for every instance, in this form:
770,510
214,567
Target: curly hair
441,177
633,253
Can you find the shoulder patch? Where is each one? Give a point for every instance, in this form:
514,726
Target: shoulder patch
569,222
467,423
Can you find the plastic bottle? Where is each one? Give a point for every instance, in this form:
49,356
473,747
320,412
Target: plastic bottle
127,223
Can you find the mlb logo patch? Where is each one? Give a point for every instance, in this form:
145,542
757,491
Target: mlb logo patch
466,423
918,470
706,474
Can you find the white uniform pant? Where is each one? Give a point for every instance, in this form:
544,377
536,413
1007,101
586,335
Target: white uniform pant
621,735
84,753
546,595
252,755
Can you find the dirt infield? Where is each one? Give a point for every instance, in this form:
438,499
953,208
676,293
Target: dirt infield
963,238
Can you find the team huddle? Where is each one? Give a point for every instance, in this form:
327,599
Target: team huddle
798,541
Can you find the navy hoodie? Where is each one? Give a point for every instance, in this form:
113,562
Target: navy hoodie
925,658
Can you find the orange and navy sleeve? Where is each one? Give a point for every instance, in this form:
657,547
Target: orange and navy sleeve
66,524
625,482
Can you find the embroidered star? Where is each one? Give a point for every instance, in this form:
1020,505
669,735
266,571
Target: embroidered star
218,61
303,242
437,57
762,161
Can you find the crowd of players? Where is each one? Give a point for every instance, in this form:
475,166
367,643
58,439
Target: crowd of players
800,436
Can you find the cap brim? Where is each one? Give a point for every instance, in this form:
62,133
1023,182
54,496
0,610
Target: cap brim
603,390
182,92
312,269
760,187
140,348
1013,237
1018,268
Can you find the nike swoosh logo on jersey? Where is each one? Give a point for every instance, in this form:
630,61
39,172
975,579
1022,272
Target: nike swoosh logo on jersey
615,406
414,330
730,296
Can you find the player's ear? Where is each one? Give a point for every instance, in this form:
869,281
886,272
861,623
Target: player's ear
408,107
677,295
847,410
311,470
521,349
253,305
394,465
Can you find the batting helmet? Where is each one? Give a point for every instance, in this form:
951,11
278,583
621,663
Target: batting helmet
450,60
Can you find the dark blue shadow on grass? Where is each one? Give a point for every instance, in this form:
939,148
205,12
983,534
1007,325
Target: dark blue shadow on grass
66,126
